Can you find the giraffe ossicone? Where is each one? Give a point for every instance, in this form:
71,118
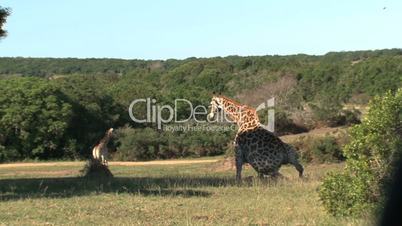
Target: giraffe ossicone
254,144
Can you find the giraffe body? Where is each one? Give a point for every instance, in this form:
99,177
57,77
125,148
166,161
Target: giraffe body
255,145
265,152
100,152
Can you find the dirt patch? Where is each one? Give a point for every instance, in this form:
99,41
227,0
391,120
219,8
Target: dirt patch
33,164
163,162
42,172
227,164
158,162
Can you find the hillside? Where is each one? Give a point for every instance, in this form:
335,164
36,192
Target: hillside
65,105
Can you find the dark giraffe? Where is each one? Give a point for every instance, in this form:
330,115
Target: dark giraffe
255,145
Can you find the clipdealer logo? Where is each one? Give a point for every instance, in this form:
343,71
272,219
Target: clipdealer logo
166,114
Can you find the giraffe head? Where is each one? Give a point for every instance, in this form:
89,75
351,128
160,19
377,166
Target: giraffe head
110,132
244,116
215,105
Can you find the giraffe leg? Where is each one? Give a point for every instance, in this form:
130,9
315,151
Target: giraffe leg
239,162
239,166
298,166
293,159
95,153
103,159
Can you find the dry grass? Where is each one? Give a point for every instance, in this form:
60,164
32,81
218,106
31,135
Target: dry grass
193,194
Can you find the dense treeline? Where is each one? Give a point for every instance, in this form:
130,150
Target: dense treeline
59,108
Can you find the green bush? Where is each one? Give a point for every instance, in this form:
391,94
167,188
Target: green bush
148,143
344,194
350,117
137,144
8,154
326,150
319,150
371,157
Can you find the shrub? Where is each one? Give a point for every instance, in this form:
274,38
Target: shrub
8,154
326,150
350,117
371,157
345,118
327,110
344,194
319,150
137,144
148,143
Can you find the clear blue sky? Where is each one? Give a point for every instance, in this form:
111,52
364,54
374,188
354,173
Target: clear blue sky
161,29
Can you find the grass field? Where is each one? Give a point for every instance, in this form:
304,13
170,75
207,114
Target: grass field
171,194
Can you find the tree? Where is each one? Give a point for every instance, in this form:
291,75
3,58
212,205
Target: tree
371,157
4,13
34,118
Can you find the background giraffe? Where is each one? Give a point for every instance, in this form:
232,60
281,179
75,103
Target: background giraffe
255,145
100,151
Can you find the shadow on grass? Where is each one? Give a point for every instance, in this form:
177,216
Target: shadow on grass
11,189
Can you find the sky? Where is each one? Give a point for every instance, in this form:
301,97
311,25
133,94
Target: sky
163,29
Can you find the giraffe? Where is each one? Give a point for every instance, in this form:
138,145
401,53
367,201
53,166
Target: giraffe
255,145
100,151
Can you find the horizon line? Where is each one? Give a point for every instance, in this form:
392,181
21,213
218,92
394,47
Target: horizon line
203,57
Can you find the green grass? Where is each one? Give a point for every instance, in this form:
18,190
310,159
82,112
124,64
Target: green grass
195,194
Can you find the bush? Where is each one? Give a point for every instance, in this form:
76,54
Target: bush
345,118
350,117
137,144
326,150
344,194
371,158
8,154
148,143
327,110
319,150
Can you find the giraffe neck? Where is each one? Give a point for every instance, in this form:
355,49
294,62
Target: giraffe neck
244,116
104,140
